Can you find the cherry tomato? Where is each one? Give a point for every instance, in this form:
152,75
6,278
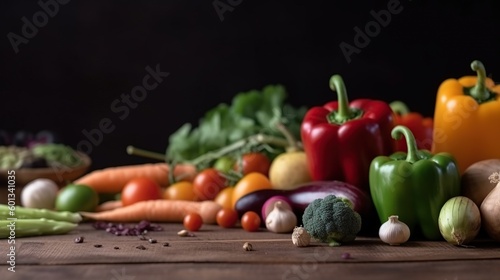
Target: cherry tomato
192,221
253,162
224,163
182,190
225,197
140,189
249,183
208,183
227,217
250,221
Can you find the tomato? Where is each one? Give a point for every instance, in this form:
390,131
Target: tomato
140,189
193,221
250,221
225,197
182,190
253,162
75,198
208,183
249,183
227,217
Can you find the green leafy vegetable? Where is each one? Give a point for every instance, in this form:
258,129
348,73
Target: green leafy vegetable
57,154
250,113
53,155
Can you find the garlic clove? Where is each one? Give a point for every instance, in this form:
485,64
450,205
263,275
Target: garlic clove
300,237
393,231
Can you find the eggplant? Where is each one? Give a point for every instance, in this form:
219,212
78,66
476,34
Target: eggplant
304,194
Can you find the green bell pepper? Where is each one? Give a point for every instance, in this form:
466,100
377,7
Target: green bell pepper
414,185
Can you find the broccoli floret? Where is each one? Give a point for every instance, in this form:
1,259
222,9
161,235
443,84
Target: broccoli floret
332,220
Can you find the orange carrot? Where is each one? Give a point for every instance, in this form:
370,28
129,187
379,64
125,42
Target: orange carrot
113,179
109,205
159,210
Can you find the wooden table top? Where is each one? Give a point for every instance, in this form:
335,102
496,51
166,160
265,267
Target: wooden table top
217,253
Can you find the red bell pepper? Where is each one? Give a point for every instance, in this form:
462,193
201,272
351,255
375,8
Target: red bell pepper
421,127
341,139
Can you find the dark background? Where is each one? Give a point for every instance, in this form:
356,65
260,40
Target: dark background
90,52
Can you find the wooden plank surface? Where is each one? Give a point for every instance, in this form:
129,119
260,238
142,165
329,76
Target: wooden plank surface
214,244
440,270
216,253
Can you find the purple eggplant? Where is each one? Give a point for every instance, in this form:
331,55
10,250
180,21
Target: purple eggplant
304,194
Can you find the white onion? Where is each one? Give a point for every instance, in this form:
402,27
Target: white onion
459,220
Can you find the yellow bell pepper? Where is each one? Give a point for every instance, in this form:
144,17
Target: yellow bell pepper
467,118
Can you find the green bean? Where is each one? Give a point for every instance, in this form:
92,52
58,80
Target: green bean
33,227
20,212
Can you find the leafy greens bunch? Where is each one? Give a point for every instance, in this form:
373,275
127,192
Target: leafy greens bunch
250,113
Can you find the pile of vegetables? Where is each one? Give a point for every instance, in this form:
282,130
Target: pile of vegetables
249,114
327,173
38,156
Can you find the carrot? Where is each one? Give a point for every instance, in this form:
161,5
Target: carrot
109,205
113,179
159,210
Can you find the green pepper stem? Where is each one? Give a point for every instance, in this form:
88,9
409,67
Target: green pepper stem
399,107
344,112
479,91
411,143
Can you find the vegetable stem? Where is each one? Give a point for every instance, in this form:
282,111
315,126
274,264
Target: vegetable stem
344,112
399,108
131,150
479,91
337,84
411,143
251,140
213,155
293,145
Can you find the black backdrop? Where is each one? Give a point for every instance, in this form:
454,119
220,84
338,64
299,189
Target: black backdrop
83,56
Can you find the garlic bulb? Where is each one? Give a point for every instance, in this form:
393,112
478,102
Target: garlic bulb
281,219
394,232
40,193
300,237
